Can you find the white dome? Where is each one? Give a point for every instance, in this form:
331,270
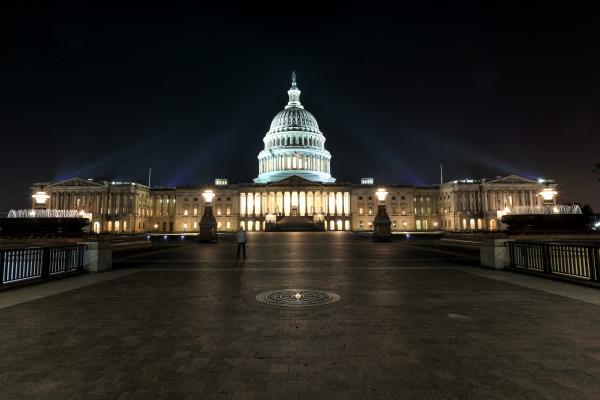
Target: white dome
294,145
294,119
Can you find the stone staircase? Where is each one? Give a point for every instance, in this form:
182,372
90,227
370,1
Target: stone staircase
295,223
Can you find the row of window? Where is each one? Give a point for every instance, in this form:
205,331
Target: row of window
295,140
371,197
393,210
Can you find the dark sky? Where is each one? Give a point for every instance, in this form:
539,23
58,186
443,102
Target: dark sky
101,90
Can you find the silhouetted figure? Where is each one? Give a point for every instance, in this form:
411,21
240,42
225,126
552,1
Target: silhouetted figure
240,238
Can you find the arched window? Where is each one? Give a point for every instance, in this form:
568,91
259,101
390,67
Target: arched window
479,223
332,225
418,224
472,224
493,225
464,224
347,225
243,225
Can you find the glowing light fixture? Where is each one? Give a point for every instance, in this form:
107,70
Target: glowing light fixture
208,195
208,222
40,197
548,194
381,194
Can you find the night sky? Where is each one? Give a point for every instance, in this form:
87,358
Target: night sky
100,90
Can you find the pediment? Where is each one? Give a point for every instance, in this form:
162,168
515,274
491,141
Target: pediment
512,179
294,180
76,182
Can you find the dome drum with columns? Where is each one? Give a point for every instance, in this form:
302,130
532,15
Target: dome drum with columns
294,145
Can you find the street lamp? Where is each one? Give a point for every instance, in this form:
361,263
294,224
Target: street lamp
548,195
40,199
382,226
208,222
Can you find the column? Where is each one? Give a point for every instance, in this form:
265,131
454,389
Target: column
331,205
302,202
257,204
339,203
347,203
287,203
485,201
279,203
250,204
295,200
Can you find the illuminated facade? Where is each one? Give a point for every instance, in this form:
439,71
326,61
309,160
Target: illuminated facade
294,188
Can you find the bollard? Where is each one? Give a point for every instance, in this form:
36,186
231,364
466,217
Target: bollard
493,253
97,256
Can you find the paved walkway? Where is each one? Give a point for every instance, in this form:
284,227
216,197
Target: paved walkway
414,322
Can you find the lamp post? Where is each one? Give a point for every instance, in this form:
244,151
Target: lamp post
40,199
208,222
382,231
548,194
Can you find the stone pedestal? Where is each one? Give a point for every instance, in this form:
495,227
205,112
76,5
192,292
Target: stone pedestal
208,226
493,253
97,256
382,226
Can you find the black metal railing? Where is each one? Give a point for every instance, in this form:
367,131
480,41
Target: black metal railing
563,260
19,265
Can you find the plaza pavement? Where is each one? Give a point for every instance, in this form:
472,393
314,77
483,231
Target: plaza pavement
415,321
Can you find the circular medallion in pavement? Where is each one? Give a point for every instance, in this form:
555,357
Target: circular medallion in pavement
297,297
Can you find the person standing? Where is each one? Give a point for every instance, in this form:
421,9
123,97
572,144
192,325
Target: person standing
240,238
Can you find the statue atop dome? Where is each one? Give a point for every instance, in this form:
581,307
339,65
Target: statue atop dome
294,94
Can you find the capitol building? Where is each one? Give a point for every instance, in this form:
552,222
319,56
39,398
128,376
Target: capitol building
294,190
